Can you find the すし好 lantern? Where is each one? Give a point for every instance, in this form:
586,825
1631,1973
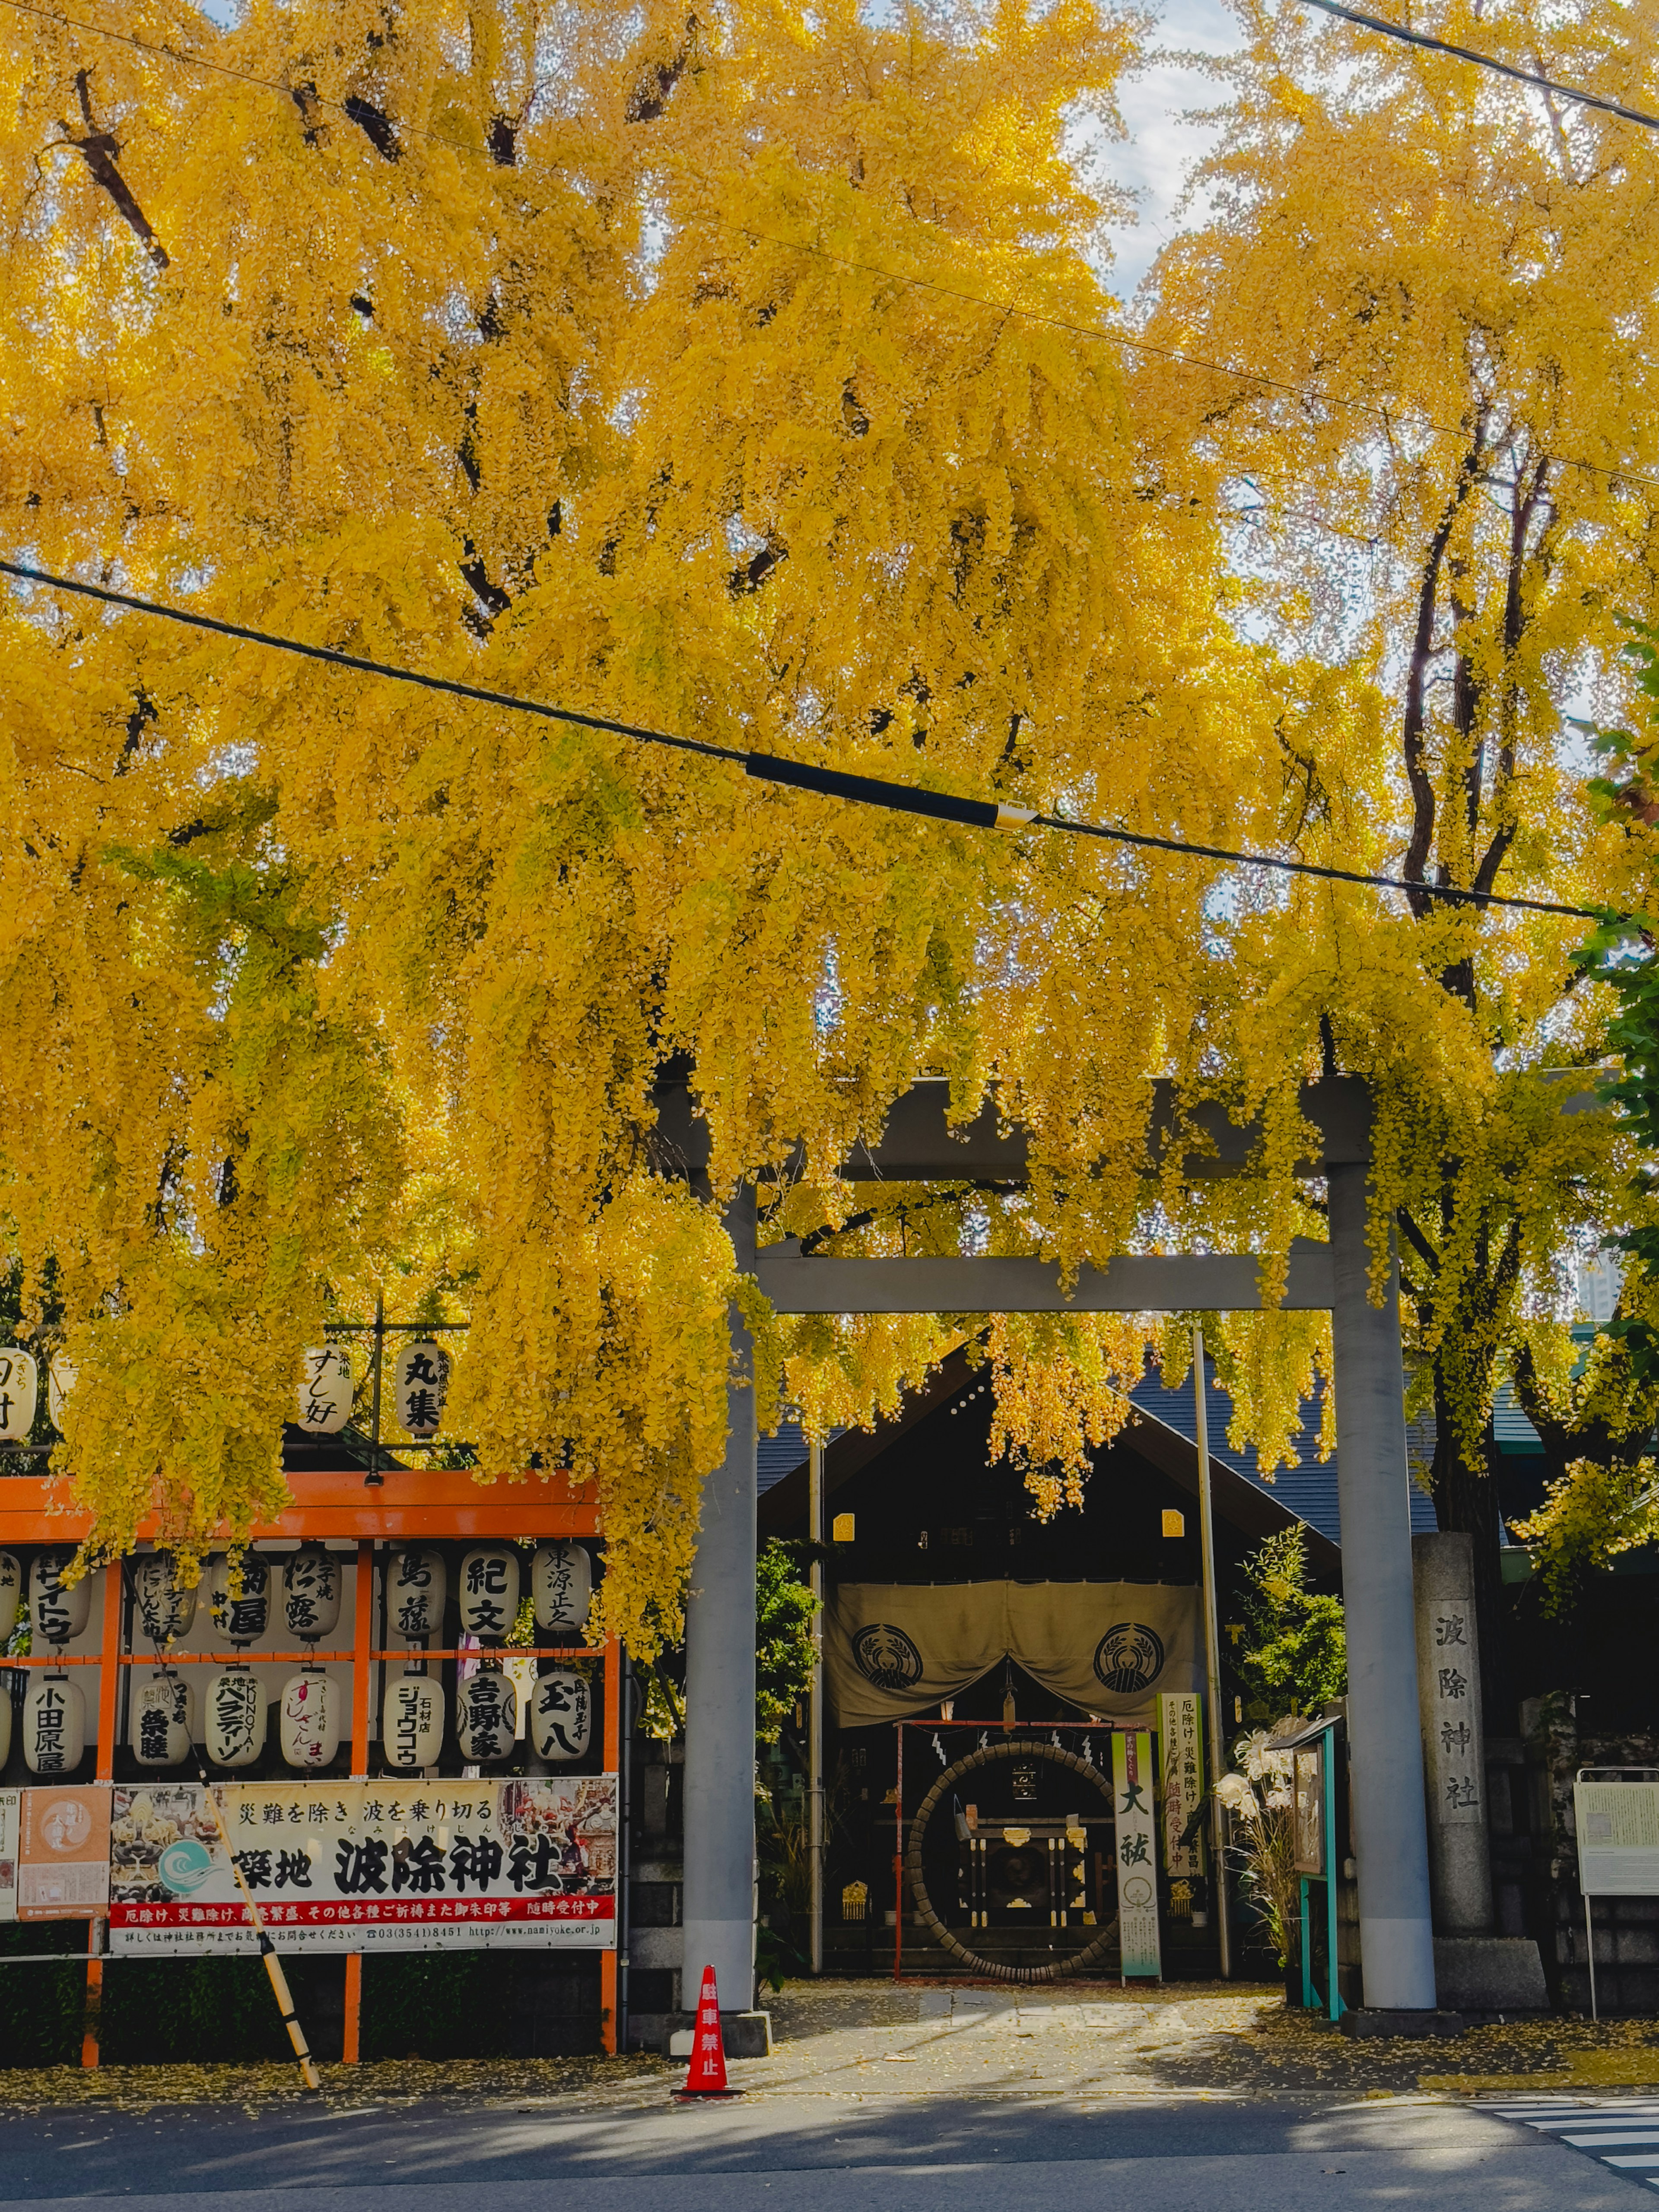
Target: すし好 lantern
420,1386
562,1715
54,1725
56,1613
562,1582
326,1390
412,1722
417,1583
162,1607
242,1619
487,1717
310,1593
11,1592
309,1724
234,1720
163,1722
489,1591
19,1391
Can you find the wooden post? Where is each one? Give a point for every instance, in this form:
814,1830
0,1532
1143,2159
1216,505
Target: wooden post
613,1765
363,1674
109,1682
353,2007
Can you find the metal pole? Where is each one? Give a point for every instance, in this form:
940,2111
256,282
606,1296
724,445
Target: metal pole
1589,1953
375,1475
1212,1661
815,1707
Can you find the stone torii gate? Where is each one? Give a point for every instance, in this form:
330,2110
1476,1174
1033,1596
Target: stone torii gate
1397,1935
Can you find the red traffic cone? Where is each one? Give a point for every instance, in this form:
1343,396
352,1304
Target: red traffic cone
706,2076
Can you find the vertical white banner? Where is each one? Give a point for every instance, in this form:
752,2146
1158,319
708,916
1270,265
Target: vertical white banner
10,1812
1181,1723
1135,1809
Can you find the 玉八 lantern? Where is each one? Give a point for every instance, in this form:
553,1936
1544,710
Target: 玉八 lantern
416,1584
562,1715
19,1391
162,1607
239,1618
163,1721
56,1613
486,1717
11,1594
234,1719
309,1718
325,1391
310,1593
54,1725
420,1385
561,1583
412,1722
489,1591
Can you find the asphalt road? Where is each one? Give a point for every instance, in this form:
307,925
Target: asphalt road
810,2153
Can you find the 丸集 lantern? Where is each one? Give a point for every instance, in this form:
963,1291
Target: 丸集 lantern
325,1391
487,1717
562,1715
163,1608
234,1718
19,1391
412,1722
489,1591
310,1593
54,1725
416,1584
11,1594
57,1614
163,1721
240,1620
562,1582
309,1720
420,1385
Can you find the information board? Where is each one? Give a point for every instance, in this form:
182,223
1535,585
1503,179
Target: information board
1618,1826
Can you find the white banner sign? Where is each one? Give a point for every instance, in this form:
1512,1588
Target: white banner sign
1133,1807
1181,1730
1618,1828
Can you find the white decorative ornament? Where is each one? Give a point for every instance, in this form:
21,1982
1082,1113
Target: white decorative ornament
562,1716
240,1620
61,1378
57,1614
412,1722
19,1392
326,1390
310,1593
487,1717
163,1609
11,1596
234,1720
163,1721
310,1719
416,1584
422,1371
488,1592
54,1725
562,1582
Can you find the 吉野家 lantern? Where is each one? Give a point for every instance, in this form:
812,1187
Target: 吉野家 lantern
310,1593
420,1386
309,1729
163,1722
562,1715
19,1391
164,1609
326,1390
489,1591
562,1582
235,1719
416,1584
57,1614
487,1717
240,1620
412,1722
54,1725
11,1594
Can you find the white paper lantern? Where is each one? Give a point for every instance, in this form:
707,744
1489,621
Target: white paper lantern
417,1583
420,1383
562,1716
412,1722
162,1609
325,1391
310,1593
54,1725
5,1729
489,1591
487,1717
61,1378
11,1596
163,1721
310,1719
240,1620
562,1582
234,1730
19,1391
57,1614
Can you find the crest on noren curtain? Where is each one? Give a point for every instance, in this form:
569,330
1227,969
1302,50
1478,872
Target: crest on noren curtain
1129,1657
886,1656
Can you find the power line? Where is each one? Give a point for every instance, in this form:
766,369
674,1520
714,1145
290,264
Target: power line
1485,61
800,775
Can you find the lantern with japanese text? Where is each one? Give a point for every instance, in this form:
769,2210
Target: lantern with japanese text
57,1612
11,1594
562,1582
420,1386
20,1390
239,1618
234,1720
416,1584
488,1592
61,1379
310,1593
326,1390
562,1716
309,1720
163,1721
54,1725
412,1722
162,1607
487,1717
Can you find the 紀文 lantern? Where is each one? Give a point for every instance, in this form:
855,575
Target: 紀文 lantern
488,1592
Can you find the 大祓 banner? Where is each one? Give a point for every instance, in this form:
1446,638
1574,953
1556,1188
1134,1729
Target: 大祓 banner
365,1866
893,1649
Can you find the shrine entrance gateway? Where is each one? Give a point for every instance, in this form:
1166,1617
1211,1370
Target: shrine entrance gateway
1391,1844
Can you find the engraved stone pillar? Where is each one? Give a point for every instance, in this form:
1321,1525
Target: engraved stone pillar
1453,1741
